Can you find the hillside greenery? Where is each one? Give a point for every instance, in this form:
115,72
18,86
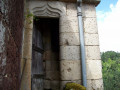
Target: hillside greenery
111,70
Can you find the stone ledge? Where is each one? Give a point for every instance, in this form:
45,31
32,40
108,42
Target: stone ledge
95,2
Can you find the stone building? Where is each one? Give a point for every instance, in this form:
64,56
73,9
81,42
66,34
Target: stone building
46,52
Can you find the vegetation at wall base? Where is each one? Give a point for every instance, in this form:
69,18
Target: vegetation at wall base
74,86
111,70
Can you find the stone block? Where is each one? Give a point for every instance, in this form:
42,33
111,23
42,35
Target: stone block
47,8
26,78
95,84
70,69
94,69
88,10
71,9
27,38
60,6
52,75
64,82
69,52
69,39
71,19
27,48
92,53
91,39
52,65
68,24
90,25
29,22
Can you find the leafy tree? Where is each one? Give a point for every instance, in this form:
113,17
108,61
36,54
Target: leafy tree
110,54
111,70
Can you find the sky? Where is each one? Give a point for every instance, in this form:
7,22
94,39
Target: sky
108,20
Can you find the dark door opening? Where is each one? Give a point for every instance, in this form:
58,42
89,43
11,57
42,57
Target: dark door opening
45,53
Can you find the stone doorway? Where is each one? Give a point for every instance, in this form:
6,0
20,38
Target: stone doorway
45,54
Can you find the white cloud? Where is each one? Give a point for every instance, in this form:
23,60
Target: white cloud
109,28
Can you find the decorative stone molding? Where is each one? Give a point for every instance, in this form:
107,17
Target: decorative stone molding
47,9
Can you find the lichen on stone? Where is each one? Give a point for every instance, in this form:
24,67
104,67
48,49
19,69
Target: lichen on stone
74,86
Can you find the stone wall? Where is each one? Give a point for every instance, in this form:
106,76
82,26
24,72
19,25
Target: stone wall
70,59
70,46
11,26
93,59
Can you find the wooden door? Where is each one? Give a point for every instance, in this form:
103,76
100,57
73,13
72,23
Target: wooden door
37,61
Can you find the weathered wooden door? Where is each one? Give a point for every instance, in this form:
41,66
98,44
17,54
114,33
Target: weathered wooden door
37,61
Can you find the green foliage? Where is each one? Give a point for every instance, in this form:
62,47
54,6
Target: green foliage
110,54
111,70
74,86
29,15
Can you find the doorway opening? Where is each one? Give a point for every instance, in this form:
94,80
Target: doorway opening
45,54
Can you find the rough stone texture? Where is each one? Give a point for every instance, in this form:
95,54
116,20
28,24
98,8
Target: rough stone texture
70,53
27,46
27,42
26,76
94,69
69,19
88,10
64,82
91,39
68,24
95,84
90,25
92,53
70,69
71,9
69,39
93,62
27,55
